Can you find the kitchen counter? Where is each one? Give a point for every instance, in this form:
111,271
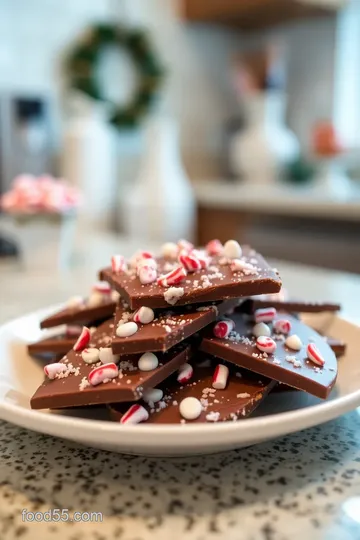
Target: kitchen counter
305,485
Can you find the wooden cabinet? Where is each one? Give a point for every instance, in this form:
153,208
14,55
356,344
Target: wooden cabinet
255,14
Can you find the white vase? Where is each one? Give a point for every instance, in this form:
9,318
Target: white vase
259,152
160,206
89,161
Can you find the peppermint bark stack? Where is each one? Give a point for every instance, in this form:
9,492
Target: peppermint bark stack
145,360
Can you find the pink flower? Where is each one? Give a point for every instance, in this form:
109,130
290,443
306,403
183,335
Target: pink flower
42,194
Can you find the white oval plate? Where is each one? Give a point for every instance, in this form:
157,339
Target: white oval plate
280,414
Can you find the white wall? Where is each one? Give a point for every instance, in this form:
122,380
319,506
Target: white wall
35,33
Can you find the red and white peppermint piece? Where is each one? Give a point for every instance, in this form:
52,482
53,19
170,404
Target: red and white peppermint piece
135,415
73,330
190,262
282,326
185,245
146,262
220,377
214,247
102,287
126,329
118,264
237,265
172,278
82,340
147,274
144,315
314,355
101,373
90,356
265,315
204,261
146,255
185,373
223,328
51,370
136,258
266,344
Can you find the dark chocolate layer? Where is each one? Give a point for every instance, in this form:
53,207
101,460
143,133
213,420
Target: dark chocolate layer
285,365
218,282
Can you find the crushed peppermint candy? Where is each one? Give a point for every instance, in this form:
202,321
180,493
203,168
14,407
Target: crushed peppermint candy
243,395
84,384
173,294
292,359
213,416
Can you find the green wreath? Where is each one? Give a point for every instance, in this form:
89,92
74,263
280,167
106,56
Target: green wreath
81,68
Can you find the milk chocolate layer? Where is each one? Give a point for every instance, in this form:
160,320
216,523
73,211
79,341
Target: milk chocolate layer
292,306
55,344
337,345
128,386
168,328
80,315
217,282
243,393
285,365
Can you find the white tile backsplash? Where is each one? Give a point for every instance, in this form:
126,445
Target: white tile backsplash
35,33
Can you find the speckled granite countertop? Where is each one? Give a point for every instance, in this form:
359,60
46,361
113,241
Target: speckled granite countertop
306,485
302,486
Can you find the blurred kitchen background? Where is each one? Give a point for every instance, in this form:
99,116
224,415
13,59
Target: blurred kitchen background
181,118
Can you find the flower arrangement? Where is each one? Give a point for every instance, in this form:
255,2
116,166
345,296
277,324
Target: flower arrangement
45,194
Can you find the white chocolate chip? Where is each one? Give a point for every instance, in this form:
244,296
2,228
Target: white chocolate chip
232,249
95,299
127,329
106,356
169,250
115,296
148,361
293,342
261,329
90,356
74,302
153,395
190,408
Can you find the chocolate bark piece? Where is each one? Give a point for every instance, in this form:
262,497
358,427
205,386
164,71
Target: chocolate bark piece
71,389
168,328
60,344
80,314
285,365
337,345
290,305
218,282
243,394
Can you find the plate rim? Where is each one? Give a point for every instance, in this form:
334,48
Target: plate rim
231,432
